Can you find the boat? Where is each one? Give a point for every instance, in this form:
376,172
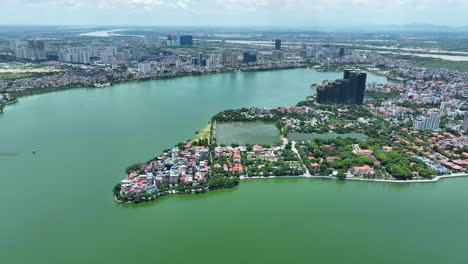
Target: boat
101,85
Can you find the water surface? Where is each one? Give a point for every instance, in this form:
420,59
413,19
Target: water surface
243,133
57,205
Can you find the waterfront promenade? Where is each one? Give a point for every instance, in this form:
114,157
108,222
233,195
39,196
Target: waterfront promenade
435,179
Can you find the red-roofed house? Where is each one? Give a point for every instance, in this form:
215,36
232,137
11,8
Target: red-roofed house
362,170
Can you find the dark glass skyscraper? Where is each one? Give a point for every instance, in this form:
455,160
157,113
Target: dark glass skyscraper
250,57
341,53
186,40
349,90
278,44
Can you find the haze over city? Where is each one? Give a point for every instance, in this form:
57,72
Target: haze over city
258,13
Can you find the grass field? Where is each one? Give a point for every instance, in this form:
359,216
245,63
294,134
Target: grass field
15,76
204,133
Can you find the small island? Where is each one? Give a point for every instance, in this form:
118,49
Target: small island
378,140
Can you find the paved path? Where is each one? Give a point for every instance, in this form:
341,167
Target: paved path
436,179
294,149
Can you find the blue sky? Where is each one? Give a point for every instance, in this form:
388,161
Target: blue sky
287,13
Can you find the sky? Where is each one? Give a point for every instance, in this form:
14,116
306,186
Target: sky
274,13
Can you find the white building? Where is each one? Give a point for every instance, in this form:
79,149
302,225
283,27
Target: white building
74,55
144,67
30,49
431,121
213,60
465,123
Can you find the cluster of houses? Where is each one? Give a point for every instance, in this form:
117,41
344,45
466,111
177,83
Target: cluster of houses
302,110
441,150
232,162
188,166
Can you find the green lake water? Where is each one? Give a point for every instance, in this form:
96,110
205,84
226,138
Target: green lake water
57,207
244,133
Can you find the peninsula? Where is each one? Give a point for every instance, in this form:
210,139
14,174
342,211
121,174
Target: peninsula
395,135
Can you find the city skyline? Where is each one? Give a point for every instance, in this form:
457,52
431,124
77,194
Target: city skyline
274,13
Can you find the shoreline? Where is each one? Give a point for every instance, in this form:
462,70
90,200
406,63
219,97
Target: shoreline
243,178
38,91
434,180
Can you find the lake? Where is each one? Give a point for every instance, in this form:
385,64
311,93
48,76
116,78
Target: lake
57,205
243,133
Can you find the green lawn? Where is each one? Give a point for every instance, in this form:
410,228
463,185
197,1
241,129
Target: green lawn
15,76
204,133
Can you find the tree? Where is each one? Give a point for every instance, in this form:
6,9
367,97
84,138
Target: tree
133,167
341,175
117,189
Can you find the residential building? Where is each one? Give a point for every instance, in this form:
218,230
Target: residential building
349,90
362,170
228,59
144,67
74,55
277,44
250,58
465,123
277,55
431,121
186,40
30,49
172,41
341,53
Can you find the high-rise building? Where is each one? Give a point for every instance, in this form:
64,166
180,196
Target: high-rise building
200,60
465,123
341,53
277,55
186,40
228,59
37,49
135,54
349,90
250,57
172,41
74,55
277,44
144,67
84,57
30,50
429,122
213,60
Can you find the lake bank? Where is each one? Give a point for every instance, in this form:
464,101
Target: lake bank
35,91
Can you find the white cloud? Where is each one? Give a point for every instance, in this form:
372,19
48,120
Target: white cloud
53,3
238,12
